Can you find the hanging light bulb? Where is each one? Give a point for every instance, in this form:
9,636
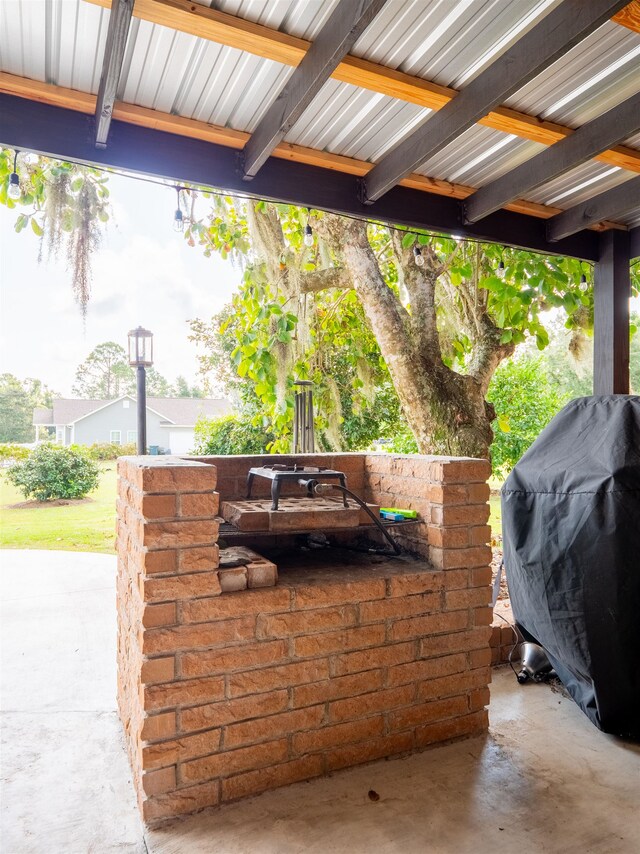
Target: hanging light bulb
417,256
14,191
501,271
308,235
178,219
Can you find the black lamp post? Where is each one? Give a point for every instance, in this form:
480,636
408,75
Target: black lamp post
141,357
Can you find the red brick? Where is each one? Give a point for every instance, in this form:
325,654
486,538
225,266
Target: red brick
158,670
367,704
166,476
254,782
427,712
332,736
478,493
233,580
272,678
233,761
456,579
457,642
164,535
341,593
261,574
265,728
158,506
233,659
479,699
465,471
457,558
480,657
378,748
156,782
470,598
247,603
384,609
190,586
330,642
306,622
202,505
480,576
180,749
159,561
199,558
430,668
482,616
480,535
472,724
159,615
440,494
422,582
338,687
370,659
448,538
199,636
417,627
158,726
186,800
463,514
232,711
188,692
457,683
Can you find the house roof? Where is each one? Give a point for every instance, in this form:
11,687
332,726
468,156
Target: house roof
183,411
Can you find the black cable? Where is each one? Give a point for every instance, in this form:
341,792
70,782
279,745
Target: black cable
326,486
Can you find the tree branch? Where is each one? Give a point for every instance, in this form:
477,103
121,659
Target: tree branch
322,280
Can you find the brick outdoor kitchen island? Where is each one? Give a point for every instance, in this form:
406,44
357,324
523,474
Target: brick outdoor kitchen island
350,657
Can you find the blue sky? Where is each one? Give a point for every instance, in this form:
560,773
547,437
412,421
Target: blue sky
144,273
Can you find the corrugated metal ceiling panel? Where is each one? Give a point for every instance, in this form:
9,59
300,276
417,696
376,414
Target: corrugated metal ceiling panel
579,184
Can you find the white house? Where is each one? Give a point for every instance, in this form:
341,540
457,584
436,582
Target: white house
170,420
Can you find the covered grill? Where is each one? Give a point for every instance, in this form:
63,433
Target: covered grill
571,527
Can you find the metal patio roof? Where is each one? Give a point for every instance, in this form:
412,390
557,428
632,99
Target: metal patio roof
61,44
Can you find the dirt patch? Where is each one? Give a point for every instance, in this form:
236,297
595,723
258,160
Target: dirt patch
57,502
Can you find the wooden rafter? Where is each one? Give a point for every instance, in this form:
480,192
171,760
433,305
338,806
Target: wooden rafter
84,102
629,16
229,30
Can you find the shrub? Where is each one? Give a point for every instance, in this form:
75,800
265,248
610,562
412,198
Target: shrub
53,472
109,450
12,452
232,434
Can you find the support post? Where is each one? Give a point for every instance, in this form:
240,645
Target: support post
141,381
612,289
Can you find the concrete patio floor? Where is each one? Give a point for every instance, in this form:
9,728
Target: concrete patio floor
543,780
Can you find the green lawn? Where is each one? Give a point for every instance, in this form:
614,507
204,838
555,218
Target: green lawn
495,516
84,527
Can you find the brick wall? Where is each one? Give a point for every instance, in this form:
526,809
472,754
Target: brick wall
224,696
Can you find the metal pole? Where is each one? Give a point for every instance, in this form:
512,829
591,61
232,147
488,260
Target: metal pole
141,381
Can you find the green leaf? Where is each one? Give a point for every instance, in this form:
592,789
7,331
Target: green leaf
503,423
506,336
35,227
408,240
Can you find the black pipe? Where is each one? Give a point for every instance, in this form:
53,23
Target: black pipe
321,488
141,383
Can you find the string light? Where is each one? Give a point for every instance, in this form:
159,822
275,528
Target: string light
178,219
501,270
308,232
417,256
14,191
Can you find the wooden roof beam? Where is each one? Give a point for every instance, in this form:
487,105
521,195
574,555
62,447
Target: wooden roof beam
117,33
590,139
229,30
613,203
563,28
84,102
344,27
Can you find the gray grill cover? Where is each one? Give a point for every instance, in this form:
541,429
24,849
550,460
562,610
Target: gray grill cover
571,530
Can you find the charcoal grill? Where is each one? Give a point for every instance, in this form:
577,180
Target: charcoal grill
304,475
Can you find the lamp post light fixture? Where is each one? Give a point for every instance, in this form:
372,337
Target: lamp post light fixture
141,358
